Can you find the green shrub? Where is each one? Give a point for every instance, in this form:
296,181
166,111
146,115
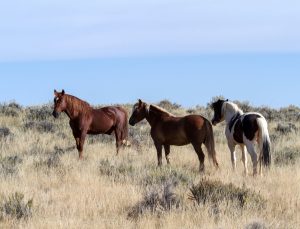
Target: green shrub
269,113
169,106
5,132
215,192
40,126
9,165
15,207
256,225
156,200
118,171
139,135
53,160
15,105
286,156
39,113
285,128
104,138
11,110
159,176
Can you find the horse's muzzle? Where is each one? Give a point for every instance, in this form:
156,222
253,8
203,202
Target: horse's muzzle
55,114
131,122
214,122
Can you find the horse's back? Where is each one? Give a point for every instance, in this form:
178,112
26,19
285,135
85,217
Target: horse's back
116,118
195,121
169,124
102,122
197,127
179,130
121,121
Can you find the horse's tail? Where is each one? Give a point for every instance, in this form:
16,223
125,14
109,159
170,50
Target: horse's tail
264,141
210,142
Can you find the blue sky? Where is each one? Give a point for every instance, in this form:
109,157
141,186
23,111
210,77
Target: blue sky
117,51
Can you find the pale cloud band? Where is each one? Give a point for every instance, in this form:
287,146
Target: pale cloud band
52,29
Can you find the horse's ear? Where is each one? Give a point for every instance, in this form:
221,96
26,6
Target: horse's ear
140,101
55,92
226,100
63,92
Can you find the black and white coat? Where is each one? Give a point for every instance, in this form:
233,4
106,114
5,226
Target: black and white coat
244,129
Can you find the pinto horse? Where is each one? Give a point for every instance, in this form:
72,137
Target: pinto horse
166,130
86,120
244,129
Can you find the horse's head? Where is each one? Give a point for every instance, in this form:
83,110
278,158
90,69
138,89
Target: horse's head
139,112
59,103
218,111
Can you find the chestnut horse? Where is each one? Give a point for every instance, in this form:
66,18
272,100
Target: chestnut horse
166,130
86,120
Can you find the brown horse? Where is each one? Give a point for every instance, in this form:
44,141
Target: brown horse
166,130
86,120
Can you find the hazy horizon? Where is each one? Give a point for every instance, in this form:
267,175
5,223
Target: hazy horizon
116,51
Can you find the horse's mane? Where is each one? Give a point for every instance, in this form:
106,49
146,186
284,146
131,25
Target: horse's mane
234,108
160,110
77,105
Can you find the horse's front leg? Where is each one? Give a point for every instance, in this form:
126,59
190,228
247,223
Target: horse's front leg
231,147
158,147
167,153
81,143
77,139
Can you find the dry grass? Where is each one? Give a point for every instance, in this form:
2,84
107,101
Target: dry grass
102,190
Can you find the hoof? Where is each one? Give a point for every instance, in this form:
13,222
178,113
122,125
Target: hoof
201,169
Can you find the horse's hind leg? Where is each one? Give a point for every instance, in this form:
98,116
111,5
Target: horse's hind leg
244,159
167,153
118,140
251,151
200,154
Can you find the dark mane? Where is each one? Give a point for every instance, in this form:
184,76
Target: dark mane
77,105
160,110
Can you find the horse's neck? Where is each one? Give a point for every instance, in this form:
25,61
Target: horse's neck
71,112
230,114
152,116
